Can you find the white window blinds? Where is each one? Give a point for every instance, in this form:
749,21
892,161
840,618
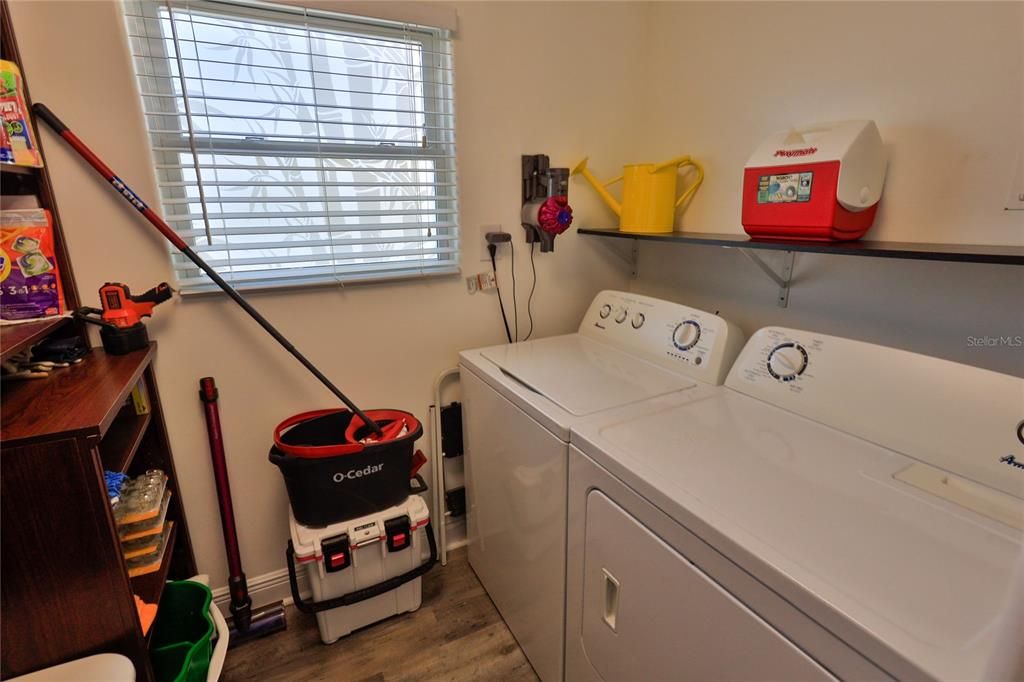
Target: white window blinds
298,147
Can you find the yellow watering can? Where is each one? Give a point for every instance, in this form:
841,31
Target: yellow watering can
649,200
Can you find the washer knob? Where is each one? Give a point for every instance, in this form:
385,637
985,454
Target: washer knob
605,311
621,316
686,335
787,361
638,320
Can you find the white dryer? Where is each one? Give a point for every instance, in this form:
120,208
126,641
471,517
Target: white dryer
519,403
837,510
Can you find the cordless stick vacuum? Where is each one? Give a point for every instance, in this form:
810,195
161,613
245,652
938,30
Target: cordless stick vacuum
124,190
245,623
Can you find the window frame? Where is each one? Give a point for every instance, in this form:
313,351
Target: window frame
438,141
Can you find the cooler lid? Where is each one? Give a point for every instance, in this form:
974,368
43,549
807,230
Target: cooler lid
583,376
307,541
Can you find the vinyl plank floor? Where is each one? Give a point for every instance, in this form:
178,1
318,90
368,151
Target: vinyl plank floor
455,635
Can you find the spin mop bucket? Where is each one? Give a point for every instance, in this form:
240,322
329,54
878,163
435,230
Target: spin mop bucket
336,469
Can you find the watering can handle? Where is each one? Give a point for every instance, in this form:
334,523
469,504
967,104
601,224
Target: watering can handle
688,194
678,161
614,180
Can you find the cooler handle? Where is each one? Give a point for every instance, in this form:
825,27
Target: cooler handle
421,485
358,595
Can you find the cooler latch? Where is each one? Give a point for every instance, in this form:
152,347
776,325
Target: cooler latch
398,533
337,553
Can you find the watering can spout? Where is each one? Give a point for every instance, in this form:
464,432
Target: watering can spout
581,169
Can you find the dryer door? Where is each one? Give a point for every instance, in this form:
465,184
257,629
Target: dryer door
649,614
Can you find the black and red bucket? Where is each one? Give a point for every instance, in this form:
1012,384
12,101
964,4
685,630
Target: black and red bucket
336,469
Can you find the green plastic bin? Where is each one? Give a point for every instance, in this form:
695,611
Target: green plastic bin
181,646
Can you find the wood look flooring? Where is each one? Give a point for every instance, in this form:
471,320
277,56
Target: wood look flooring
455,635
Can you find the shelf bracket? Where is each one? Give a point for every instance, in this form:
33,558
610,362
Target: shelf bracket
782,278
630,258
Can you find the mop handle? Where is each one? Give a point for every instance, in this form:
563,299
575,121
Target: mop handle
124,190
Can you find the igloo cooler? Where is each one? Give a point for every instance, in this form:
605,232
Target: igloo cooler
362,570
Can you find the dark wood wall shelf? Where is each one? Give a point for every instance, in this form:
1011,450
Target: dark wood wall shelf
80,401
17,170
150,586
23,187
118,447
15,338
65,592
57,436
961,253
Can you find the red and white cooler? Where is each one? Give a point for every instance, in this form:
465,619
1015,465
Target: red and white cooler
362,570
820,182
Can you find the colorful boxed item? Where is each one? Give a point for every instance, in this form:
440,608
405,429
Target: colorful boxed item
17,141
30,284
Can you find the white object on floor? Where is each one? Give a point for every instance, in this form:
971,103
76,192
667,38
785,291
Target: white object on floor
368,555
797,505
98,668
519,403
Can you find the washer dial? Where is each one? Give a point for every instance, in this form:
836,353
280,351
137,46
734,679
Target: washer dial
638,320
605,311
686,335
621,315
787,361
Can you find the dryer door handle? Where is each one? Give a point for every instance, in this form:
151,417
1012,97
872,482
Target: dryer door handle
611,599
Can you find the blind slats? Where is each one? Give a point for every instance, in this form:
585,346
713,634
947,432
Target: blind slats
317,199
295,259
294,147
200,98
207,79
339,232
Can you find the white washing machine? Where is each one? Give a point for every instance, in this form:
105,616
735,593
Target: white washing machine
837,510
519,403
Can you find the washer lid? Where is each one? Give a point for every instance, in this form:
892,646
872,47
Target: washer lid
823,518
583,376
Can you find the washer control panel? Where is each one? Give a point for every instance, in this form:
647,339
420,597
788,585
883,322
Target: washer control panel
686,340
962,419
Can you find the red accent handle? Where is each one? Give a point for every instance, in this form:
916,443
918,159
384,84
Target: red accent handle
418,460
312,451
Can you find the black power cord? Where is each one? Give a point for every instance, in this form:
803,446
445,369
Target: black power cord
515,304
533,288
493,249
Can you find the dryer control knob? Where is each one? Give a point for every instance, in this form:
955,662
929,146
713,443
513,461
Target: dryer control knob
686,335
787,361
605,311
621,316
638,320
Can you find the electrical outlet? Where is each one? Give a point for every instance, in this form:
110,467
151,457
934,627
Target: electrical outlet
483,281
481,240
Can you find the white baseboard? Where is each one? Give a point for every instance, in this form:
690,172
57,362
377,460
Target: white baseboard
265,589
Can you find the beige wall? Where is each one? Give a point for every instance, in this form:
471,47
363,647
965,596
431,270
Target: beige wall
621,82
944,81
383,344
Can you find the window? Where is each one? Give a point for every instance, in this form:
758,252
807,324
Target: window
298,147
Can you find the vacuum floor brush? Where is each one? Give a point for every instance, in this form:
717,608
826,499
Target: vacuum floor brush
246,624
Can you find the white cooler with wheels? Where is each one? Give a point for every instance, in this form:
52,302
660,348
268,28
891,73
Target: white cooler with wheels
359,557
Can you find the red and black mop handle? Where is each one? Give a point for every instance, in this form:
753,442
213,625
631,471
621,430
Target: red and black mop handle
58,127
241,603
